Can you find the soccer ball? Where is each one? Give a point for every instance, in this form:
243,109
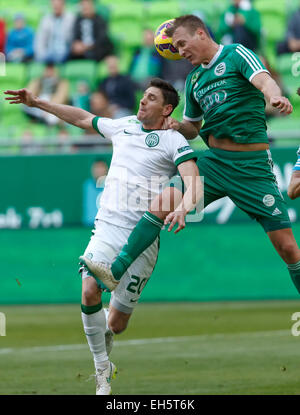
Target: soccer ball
163,43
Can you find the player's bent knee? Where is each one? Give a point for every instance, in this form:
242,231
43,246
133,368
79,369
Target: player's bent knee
90,292
288,251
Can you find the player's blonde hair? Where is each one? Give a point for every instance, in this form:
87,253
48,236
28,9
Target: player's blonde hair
190,22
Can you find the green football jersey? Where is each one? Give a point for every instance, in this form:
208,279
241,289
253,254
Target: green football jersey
222,94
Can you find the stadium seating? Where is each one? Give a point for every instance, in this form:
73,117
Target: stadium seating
158,12
127,19
126,23
80,70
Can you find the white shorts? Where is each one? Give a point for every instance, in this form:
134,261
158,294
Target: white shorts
105,244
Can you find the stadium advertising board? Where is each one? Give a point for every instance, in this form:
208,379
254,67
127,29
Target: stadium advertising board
55,191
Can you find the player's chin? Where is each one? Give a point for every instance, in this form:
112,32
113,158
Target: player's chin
140,115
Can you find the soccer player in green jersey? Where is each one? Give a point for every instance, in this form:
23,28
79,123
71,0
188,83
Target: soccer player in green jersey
294,185
225,95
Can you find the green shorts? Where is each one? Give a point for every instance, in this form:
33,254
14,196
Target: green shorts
247,178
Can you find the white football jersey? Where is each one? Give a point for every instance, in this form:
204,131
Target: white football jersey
143,162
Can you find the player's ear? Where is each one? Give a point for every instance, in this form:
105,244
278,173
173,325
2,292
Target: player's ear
167,110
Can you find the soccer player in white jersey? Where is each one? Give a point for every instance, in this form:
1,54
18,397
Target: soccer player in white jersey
294,186
145,157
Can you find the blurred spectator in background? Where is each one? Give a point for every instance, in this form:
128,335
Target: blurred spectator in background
146,62
81,98
19,45
92,191
120,89
176,72
90,36
241,23
54,35
291,43
50,87
100,105
2,35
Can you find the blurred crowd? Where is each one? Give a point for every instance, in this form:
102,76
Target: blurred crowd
63,36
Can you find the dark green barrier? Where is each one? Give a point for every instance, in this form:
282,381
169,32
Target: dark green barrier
202,263
50,191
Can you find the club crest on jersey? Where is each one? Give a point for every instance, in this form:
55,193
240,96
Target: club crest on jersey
152,140
220,69
268,200
195,77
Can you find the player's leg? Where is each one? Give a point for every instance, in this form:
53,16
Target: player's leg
93,315
146,230
118,320
95,328
127,294
143,235
285,244
257,193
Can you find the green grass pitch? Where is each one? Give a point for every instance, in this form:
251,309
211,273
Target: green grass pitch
168,348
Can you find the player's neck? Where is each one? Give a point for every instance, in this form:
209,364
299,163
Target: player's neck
153,126
212,49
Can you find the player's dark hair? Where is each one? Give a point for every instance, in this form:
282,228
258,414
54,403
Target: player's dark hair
190,22
169,93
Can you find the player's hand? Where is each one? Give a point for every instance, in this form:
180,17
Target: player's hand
171,123
282,104
176,217
20,96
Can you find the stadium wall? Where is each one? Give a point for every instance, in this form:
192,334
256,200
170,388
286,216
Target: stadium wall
49,191
231,261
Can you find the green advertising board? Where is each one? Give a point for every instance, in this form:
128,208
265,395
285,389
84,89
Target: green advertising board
56,191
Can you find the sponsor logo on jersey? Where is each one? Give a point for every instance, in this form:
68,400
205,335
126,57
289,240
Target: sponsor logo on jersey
269,200
127,132
195,77
89,255
220,69
134,121
182,149
152,140
211,86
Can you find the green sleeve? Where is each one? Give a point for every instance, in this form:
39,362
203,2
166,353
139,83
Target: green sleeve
192,110
247,62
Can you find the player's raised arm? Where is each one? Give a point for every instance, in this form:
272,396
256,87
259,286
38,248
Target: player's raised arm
266,84
189,129
194,191
72,115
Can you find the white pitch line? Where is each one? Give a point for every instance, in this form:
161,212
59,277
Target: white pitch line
140,342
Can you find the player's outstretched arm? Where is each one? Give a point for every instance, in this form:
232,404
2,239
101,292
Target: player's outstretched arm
72,115
266,84
194,191
294,186
188,129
